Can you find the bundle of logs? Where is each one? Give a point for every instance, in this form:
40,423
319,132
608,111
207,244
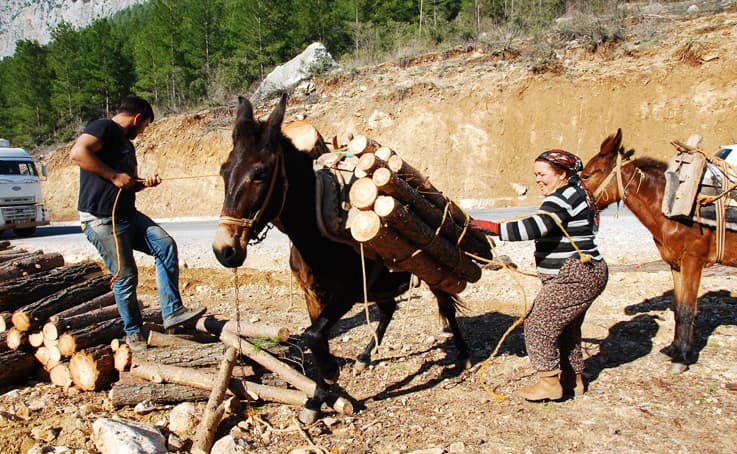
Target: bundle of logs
404,219
60,323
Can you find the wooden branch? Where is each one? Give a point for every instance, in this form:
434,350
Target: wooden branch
399,218
129,391
213,325
205,435
30,265
92,369
292,376
17,366
36,314
362,194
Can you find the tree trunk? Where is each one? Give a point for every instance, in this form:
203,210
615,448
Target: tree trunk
21,292
205,435
17,366
98,302
16,255
211,324
399,254
36,314
92,369
129,392
30,265
389,184
57,325
196,355
399,218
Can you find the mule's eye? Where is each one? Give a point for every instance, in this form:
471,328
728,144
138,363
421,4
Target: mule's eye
585,177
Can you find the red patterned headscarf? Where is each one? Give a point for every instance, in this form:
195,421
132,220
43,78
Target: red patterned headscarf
572,164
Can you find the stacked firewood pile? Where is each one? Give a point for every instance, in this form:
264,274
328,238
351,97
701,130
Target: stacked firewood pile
404,219
60,323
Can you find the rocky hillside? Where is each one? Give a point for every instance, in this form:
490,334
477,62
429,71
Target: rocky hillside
474,118
35,19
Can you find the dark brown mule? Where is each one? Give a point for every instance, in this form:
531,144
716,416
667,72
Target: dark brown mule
268,180
686,246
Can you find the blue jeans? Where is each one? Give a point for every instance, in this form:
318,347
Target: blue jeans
140,233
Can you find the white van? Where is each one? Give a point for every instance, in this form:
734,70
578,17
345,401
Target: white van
21,205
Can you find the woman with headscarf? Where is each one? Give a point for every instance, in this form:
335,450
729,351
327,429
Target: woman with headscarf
570,282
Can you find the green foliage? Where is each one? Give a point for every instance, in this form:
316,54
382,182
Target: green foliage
185,53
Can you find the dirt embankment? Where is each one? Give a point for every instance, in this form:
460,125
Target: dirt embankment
474,119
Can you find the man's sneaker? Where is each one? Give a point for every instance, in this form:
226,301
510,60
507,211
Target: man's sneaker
136,342
182,316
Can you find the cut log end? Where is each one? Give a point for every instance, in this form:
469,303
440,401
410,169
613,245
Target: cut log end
365,226
362,194
21,321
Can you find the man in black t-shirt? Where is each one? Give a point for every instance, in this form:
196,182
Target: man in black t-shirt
108,182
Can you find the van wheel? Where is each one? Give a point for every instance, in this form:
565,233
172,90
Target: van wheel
28,231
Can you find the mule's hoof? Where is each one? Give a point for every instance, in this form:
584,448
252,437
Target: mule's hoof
360,366
308,416
677,368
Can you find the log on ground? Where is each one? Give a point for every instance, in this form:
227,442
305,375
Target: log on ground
17,366
59,375
98,302
92,369
213,325
58,325
194,355
24,291
14,338
130,392
36,314
30,265
17,255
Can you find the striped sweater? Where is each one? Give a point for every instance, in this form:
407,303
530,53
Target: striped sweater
552,247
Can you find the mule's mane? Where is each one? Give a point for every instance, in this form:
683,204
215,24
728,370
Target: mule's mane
650,165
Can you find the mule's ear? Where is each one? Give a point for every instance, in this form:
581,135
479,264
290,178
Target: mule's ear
245,110
273,124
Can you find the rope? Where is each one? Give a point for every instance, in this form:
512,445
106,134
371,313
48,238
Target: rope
365,301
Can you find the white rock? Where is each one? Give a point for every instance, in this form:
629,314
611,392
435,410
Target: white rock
228,445
184,418
120,436
519,188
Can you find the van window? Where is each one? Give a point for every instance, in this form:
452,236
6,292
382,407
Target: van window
17,168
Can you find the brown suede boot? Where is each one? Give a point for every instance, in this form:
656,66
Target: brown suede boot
547,387
572,383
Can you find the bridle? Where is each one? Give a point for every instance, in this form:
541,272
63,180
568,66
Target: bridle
617,172
248,223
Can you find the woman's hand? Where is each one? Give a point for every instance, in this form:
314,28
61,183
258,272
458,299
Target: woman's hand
489,227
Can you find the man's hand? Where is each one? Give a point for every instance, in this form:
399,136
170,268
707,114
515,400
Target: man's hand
123,180
150,182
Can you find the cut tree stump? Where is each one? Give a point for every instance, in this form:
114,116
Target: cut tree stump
17,366
92,369
23,291
213,325
30,265
36,314
129,391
